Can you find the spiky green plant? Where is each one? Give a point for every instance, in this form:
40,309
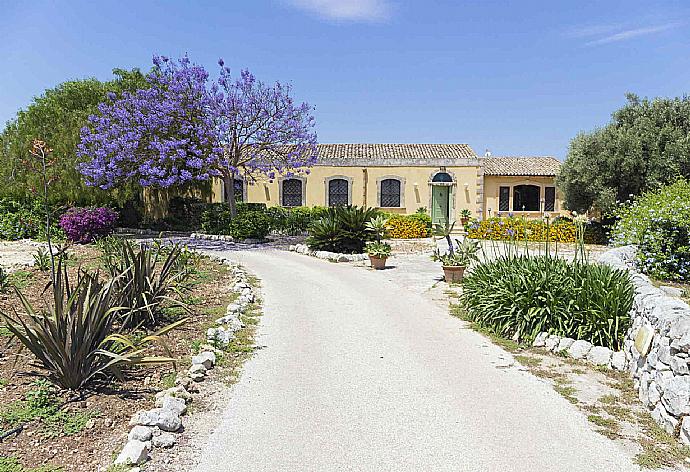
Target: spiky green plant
4,280
147,277
343,229
73,339
42,259
520,296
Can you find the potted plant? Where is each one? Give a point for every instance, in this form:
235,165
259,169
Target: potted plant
458,258
465,216
378,251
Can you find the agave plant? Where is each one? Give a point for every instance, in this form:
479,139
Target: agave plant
145,283
74,339
378,225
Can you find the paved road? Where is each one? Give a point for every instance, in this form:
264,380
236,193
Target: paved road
359,374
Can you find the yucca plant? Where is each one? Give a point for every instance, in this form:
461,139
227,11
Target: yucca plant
147,278
74,339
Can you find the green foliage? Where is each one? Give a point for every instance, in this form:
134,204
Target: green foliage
42,403
250,225
293,221
57,117
659,224
146,279
643,147
20,219
378,226
522,296
11,464
343,229
42,259
74,340
462,254
20,279
378,249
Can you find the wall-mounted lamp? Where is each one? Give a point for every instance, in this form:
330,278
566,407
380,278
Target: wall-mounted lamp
467,186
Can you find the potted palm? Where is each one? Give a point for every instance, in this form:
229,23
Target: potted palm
465,216
378,251
459,255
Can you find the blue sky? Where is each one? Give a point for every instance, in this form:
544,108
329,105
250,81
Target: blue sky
517,77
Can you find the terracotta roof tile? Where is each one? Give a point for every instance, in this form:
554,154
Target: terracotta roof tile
395,151
528,166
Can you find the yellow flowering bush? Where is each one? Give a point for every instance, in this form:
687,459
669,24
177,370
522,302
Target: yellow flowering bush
560,230
409,226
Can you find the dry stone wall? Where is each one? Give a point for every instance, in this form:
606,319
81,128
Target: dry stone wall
657,347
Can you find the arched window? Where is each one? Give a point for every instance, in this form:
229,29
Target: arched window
390,193
526,198
337,192
442,177
292,192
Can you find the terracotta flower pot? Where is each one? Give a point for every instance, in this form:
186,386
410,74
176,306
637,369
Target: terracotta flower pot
378,263
453,274
464,221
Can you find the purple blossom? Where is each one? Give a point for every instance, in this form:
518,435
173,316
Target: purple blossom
184,129
84,225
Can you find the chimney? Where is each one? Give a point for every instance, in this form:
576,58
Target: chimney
487,153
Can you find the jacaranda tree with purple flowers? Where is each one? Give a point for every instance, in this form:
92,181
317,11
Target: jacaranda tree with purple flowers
183,130
162,136
263,131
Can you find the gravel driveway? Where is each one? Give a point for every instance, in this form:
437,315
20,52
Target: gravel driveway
358,373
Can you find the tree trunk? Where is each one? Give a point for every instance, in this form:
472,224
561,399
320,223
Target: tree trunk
229,184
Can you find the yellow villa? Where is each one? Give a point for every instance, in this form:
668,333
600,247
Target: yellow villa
401,178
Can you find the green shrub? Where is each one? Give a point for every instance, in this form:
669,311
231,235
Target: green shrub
22,219
659,224
215,219
293,221
522,296
250,225
343,229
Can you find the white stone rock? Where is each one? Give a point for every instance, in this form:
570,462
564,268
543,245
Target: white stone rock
665,420
540,340
653,395
599,355
140,433
679,365
618,360
579,349
564,344
676,396
174,404
672,291
164,440
220,336
166,420
551,342
177,392
134,453
206,358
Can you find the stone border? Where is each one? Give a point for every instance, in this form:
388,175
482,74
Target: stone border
326,255
158,428
223,237
656,348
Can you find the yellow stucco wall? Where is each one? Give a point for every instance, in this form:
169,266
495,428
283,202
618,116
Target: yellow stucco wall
491,193
364,187
470,191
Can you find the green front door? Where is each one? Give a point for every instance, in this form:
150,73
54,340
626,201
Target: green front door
440,200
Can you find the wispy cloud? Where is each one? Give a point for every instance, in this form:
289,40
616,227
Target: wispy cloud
597,35
351,10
